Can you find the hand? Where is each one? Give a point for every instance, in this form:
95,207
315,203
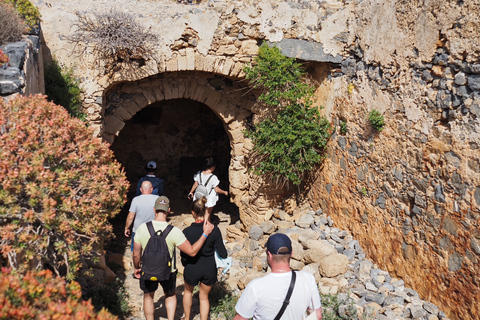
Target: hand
190,195
226,193
127,233
207,227
137,273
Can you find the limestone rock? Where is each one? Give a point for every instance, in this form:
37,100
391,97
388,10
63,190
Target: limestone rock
234,234
333,265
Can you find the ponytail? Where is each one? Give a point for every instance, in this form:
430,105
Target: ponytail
198,207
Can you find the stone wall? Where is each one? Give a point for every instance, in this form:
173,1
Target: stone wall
411,193
24,73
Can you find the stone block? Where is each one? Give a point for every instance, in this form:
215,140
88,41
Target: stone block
305,50
296,265
227,50
333,265
229,63
167,89
113,125
249,47
234,234
181,63
237,70
149,96
157,89
190,56
171,65
122,114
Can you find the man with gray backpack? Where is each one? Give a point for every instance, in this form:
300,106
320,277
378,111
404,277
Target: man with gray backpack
157,239
206,185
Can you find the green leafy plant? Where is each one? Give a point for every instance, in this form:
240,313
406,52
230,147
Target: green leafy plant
27,10
343,127
112,296
364,191
222,302
289,142
12,26
63,88
376,120
334,308
39,295
59,185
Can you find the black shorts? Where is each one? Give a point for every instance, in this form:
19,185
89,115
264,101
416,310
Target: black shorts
168,286
204,271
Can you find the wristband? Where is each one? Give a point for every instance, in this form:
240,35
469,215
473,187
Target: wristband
203,234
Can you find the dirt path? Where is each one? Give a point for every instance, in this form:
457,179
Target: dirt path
180,218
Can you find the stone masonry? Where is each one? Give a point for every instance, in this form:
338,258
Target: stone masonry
410,194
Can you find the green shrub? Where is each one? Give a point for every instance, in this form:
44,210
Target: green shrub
59,185
222,302
376,120
291,142
12,26
112,296
343,127
39,295
27,10
334,308
63,88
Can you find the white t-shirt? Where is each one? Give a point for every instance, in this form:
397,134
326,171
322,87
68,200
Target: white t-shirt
263,297
212,196
143,205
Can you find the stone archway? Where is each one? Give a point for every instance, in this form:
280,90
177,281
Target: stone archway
230,100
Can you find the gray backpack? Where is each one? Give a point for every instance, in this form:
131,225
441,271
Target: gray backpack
201,190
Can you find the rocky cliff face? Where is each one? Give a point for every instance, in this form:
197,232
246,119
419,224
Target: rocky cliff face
411,193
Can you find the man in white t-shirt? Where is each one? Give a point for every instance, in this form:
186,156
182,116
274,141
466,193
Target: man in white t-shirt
263,297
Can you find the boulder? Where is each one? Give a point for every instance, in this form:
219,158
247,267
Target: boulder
333,265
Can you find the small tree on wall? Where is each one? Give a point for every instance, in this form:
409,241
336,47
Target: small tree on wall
58,187
289,143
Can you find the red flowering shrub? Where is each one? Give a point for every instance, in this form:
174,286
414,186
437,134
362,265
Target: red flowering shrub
3,58
38,295
58,187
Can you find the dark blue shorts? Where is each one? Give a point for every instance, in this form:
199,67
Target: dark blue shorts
168,286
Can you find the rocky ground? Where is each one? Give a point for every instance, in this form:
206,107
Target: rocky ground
336,259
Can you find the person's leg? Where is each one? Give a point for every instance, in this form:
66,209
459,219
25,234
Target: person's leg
204,303
148,306
148,288
187,300
170,297
208,213
171,306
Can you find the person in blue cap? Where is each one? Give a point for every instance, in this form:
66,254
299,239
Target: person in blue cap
157,183
264,297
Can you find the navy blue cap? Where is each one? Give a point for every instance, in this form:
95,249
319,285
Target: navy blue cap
279,243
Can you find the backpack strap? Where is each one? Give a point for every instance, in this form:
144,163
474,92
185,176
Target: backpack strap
150,228
164,234
206,184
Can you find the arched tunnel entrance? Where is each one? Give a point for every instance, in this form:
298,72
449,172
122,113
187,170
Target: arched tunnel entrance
177,134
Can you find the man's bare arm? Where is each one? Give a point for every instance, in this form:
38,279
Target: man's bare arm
128,223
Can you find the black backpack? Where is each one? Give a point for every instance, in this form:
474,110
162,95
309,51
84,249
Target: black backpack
156,260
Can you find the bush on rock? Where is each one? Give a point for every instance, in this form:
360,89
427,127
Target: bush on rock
58,187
